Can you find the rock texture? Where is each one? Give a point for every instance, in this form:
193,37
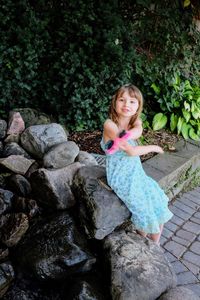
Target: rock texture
139,269
38,139
101,211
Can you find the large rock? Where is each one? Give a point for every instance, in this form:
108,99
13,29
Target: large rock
101,211
16,163
6,277
5,200
179,293
61,155
86,159
54,186
139,269
38,139
54,249
19,185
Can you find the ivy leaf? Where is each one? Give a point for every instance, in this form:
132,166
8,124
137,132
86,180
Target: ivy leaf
159,121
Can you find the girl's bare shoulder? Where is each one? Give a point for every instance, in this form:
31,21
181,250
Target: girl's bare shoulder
110,125
110,129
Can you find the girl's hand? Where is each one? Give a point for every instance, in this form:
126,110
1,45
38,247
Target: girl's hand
124,146
158,149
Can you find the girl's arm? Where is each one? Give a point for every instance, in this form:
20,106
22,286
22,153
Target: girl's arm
137,129
139,150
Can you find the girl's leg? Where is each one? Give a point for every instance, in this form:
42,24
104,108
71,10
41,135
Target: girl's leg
156,236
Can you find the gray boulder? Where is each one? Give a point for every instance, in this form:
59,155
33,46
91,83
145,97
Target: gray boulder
38,139
19,185
61,155
16,163
54,186
101,211
14,149
86,158
179,293
139,269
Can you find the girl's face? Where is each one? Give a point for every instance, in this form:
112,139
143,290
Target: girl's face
126,106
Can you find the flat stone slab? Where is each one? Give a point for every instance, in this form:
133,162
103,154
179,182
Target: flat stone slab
175,170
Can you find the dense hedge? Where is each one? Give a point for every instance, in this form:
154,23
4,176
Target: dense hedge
67,57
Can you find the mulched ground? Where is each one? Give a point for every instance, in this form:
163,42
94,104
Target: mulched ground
90,140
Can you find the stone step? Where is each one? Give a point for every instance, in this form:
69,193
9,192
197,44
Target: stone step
174,171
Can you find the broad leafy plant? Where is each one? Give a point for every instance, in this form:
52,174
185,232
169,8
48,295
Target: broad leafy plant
181,106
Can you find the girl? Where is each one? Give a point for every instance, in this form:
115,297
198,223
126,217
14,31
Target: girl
144,198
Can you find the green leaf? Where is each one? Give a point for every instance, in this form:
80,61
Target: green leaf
185,130
186,3
186,114
193,135
179,124
159,121
173,122
196,113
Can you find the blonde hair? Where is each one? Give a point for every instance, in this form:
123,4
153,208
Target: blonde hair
133,92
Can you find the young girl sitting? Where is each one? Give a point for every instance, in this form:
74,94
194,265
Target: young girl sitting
144,198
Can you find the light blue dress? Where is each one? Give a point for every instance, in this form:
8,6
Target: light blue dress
144,198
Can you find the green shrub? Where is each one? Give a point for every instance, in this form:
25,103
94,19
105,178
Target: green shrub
68,57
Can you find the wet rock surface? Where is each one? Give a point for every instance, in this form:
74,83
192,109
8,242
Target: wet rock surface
55,186
54,249
96,199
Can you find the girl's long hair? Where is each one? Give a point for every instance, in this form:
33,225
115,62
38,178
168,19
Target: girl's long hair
133,92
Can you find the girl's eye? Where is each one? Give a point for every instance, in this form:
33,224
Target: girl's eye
121,99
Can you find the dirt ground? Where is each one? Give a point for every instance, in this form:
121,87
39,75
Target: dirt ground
90,140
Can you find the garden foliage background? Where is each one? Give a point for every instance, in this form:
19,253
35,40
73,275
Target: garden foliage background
68,57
